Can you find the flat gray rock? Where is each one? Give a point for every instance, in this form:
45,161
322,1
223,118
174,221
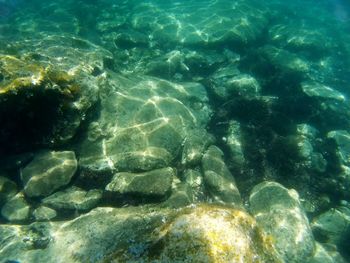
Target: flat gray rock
16,209
156,183
43,213
73,198
48,172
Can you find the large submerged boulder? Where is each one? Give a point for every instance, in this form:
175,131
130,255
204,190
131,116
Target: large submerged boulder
142,124
46,90
279,213
194,23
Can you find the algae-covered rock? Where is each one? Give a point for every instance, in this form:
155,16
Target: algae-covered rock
16,209
278,211
74,198
152,184
218,180
46,90
48,171
207,234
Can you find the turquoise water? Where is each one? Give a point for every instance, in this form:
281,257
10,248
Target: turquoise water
175,131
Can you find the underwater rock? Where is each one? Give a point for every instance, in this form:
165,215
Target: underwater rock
8,189
243,85
299,152
195,182
278,211
341,160
218,180
16,209
90,237
302,38
169,66
231,84
233,140
306,140
183,64
333,226
152,184
143,123
195,24
342,140
194,146
181,195
207,233
202,63
324,255
43,213
289,65
73,198
47,90
318,90
48,171
307,130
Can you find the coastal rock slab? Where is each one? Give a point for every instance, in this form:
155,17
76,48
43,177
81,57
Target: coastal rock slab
48,172
278,211
44,213
16,209
73,198
155,183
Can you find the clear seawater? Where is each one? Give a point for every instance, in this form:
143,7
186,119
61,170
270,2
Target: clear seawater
221,94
